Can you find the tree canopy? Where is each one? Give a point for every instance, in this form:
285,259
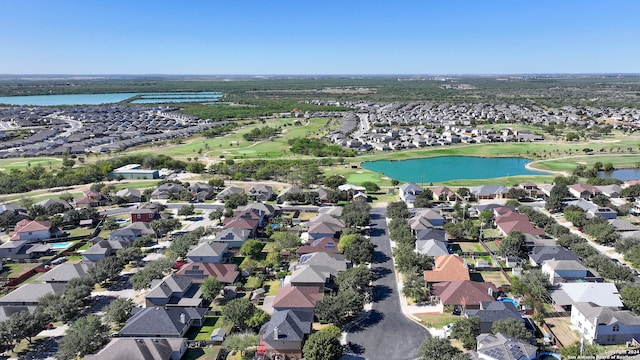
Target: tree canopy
322,345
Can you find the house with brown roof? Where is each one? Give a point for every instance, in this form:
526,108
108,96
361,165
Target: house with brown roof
465,294
34,230
225,273
447,268
512,221
91,199
443,193
142,348
301,298
583,191
242,223
325,244
145,213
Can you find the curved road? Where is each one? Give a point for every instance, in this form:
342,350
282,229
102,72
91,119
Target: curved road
387,333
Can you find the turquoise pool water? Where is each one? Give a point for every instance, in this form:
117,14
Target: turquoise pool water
60,246
514,302
445,168
548,356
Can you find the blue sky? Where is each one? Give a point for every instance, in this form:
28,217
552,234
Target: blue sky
319,37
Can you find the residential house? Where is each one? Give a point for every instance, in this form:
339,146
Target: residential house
7,311
132,195
532,189
284,193
233,237
104,248
243,223
229,191
64,273
408,193
512,221
349,190
200,191
34,230
262,209
492,311
331,260
30,294
540,254
604,325
610,191
159,322
583,191
283,336
91,199
601,211
624,228
21,249
198,272
432,242
166,190
485,192
417,223
323,195
174,290
502,347
561,271
601,294
260,192
132,231
208,252
59,203
324,229
447,268
299,298
432,216
464,294
143,348
320,277
145,213
325,244
443,193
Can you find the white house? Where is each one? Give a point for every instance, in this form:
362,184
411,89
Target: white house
604,325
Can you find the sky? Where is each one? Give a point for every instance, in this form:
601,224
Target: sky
319,37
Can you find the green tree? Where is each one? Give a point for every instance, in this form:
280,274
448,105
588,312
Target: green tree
258,319
466,330
631,298
538,284
398,209
286,240
359,249
437,348
186,210
333,181
238,312
25,325
252,248
356,214
356,278
514,245
236,200
423,200
240,341
574,350
414,287
370,186
210,288
322,345
510,327
332,330
338,309
164,226
110,224
486,216
85,336
118,310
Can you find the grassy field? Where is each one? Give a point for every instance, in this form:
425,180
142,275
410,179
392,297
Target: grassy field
470,247
204,333
495,277
568,164
437,320
207,353
8,164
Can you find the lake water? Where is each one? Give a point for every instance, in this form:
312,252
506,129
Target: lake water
620,174
96,99
445,168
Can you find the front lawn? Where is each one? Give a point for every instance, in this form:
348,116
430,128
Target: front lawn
437,320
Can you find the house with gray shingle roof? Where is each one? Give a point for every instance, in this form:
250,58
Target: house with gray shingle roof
208,252
484,192
158,321
601,294
30,294
285,334
233,237
539,254
174,290
492,311
145,348
63,273
604,325
502,347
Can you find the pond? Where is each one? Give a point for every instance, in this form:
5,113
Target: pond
620,174
96,99
445,168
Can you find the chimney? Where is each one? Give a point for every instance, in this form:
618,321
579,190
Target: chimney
275,334
183,318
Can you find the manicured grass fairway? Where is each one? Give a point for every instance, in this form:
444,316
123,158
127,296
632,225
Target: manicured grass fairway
21,163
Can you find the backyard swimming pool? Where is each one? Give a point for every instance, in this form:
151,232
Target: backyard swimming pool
505,299
60,246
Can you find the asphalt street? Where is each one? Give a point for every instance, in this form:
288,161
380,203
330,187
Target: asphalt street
386,333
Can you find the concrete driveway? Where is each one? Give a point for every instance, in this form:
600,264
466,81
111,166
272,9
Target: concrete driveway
386,333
